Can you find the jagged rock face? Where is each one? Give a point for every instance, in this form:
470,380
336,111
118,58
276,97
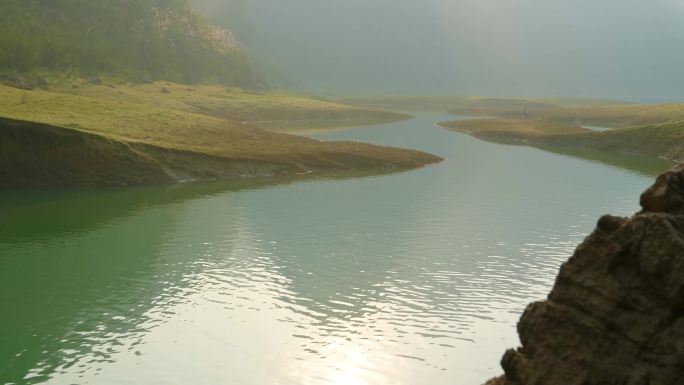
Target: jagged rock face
616,312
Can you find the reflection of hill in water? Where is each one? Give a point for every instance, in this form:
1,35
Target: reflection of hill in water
83,271
646,166
91,285
41,215
94,272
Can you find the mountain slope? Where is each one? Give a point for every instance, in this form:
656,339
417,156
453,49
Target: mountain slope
140,40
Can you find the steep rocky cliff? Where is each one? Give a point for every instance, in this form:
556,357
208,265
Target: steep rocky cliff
616,313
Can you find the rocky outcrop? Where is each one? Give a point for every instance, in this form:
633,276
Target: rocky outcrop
616,313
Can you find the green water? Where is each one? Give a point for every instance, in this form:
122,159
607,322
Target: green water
411,278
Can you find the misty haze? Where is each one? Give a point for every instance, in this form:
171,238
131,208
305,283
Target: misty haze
342,192
600,48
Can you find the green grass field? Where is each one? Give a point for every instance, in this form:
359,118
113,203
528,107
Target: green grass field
185,133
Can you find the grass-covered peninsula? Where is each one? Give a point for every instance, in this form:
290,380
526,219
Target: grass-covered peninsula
79,134
644,131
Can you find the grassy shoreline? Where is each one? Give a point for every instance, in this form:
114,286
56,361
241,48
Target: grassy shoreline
651,134
595,146
96,135
655,147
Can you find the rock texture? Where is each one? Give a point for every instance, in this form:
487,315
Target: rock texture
616,313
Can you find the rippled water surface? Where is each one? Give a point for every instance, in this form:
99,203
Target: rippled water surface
405,279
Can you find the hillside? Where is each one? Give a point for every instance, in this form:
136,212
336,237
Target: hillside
141,40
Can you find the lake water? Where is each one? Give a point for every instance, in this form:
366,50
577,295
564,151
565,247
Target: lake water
406,279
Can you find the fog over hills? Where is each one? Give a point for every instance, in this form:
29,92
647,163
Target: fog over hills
497,47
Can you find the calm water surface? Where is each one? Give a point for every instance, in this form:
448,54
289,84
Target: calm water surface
407,279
